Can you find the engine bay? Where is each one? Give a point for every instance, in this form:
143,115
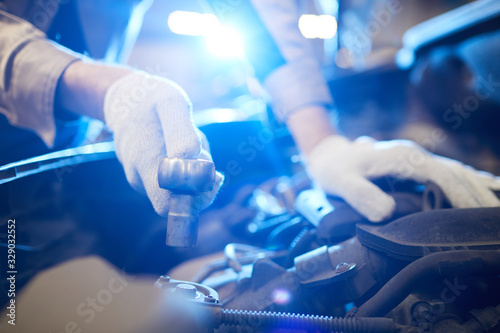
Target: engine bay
284,257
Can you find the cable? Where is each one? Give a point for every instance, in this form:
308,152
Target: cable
261,319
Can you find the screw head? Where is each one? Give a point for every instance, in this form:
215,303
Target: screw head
422,312
342,267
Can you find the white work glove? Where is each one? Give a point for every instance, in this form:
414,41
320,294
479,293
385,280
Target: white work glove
344,169
151,119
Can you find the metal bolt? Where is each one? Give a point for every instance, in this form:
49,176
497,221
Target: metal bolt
164,278
342,267
422,312
186,290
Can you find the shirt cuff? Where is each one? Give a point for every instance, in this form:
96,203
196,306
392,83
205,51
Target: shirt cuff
296,85
35,75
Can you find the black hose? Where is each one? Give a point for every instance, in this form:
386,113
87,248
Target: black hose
261,319
449,263
299,245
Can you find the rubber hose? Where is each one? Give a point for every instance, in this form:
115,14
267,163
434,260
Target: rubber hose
261,319
299,246
463,262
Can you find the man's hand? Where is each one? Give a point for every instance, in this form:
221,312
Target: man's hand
151,119
300,98
344,168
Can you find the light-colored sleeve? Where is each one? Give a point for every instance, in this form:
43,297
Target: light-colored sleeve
30,68
299,82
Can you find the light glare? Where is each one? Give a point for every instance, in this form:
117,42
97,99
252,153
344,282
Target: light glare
220,40
318,26
225,42
281,296
192,24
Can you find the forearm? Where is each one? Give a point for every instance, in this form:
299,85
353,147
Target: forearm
297,88
83,85
308,126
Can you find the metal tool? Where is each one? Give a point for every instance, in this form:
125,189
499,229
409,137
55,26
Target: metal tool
187,179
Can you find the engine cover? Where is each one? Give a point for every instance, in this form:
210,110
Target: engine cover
420,234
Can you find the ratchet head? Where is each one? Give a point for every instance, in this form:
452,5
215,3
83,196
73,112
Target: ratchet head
186,179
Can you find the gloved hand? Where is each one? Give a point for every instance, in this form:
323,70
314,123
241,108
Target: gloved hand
344,168
151,119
